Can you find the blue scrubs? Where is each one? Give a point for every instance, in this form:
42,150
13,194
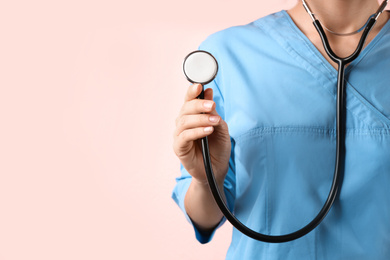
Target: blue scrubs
277,94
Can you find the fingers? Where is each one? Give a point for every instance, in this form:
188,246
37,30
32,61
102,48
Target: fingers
197,117
194,121
193,134
208,94
197,106
192,92
184,141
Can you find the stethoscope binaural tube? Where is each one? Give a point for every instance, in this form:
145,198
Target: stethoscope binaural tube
340,146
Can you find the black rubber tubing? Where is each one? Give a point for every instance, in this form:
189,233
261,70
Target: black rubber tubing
340,151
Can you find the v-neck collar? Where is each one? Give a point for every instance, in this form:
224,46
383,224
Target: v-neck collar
318,54
283,30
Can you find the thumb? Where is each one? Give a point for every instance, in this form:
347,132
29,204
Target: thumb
208,94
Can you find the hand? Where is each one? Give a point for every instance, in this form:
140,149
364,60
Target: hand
190,128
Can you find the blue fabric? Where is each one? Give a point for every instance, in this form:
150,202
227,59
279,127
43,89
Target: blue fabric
278,95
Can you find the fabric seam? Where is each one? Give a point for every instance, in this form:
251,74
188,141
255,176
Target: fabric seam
310,130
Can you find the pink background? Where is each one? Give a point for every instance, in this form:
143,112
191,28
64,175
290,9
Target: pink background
90,91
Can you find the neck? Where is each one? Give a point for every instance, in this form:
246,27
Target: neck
343,16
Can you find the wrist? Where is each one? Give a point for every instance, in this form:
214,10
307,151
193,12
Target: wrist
204,184
199,182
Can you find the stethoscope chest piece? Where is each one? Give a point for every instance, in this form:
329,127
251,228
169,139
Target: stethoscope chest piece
200,67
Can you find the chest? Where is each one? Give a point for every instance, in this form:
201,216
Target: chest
280,91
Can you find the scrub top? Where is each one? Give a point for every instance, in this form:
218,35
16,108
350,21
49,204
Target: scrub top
277,94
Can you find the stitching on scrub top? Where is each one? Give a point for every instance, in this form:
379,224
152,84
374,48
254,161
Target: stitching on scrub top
310,45
325,63
319,76
371,45
367,50
315,72
384,119
315,130
290,49
219,90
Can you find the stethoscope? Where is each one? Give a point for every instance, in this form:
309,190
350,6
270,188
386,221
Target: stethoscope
201,67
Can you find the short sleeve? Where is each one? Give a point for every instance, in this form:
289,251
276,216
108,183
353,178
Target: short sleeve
183,182
180,190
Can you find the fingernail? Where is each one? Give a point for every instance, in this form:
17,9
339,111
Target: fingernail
196,87
208,105
214,119
208,129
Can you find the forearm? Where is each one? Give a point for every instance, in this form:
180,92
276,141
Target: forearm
201,206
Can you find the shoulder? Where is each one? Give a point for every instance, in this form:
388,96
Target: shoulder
240,37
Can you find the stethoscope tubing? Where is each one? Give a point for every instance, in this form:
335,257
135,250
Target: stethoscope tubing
340,150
